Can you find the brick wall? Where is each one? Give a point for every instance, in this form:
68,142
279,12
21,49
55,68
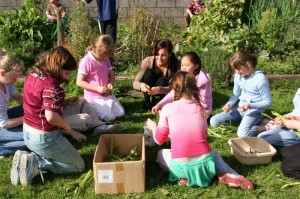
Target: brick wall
173,10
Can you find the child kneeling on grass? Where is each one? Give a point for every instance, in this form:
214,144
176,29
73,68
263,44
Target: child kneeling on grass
190,160
43,123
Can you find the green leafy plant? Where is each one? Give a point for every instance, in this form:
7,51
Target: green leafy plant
138,35
24,32
210,28
81,30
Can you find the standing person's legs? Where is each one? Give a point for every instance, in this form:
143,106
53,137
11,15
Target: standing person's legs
187,20
248,126
109,27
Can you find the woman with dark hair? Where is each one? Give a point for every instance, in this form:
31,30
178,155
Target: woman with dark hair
155,73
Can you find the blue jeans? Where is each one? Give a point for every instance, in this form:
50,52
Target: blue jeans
248,121
55,153
280,137
11,139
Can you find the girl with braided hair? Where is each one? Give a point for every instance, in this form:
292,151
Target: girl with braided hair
190,160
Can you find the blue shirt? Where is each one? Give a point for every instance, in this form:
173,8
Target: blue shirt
107,9
254,89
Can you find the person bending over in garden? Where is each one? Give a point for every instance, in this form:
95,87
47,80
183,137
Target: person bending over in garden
52,8
11,119
194,8
43,123
279,135
190,160
79,113
252,90
190,62
155,72
96,77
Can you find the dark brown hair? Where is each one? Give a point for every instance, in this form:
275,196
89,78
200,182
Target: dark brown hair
195,59
240,58
173,64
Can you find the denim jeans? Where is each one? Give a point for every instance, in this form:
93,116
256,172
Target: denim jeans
55,153
280,137
164,157
11,139
248,121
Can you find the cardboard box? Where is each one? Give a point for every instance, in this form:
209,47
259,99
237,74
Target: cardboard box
119,177
252,150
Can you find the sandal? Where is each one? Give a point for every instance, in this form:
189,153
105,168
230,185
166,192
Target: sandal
235,181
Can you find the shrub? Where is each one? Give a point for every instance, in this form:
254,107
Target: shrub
211,28
24,31
81,31
138,35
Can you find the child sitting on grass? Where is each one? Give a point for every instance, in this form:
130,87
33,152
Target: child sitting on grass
11,119
190,160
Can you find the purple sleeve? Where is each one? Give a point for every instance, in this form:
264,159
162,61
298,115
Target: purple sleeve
167,99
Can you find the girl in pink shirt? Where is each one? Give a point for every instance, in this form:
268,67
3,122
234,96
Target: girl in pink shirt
191,63
96,77
183,132
191,155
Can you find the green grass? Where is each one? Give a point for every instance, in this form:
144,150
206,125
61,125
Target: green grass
157,185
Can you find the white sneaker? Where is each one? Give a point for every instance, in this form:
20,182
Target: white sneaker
15,168
107,128
29,168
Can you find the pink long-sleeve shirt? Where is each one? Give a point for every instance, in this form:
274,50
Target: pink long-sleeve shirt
205,93
183,120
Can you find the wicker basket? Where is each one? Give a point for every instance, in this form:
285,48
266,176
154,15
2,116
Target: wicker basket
252,150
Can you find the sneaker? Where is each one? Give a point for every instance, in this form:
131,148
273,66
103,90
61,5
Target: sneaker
29,168
15,168
235,181
107,128
182,181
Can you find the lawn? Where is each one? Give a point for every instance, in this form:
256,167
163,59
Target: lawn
267,179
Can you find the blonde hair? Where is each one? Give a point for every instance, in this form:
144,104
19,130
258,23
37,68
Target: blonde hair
103,44
10,63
